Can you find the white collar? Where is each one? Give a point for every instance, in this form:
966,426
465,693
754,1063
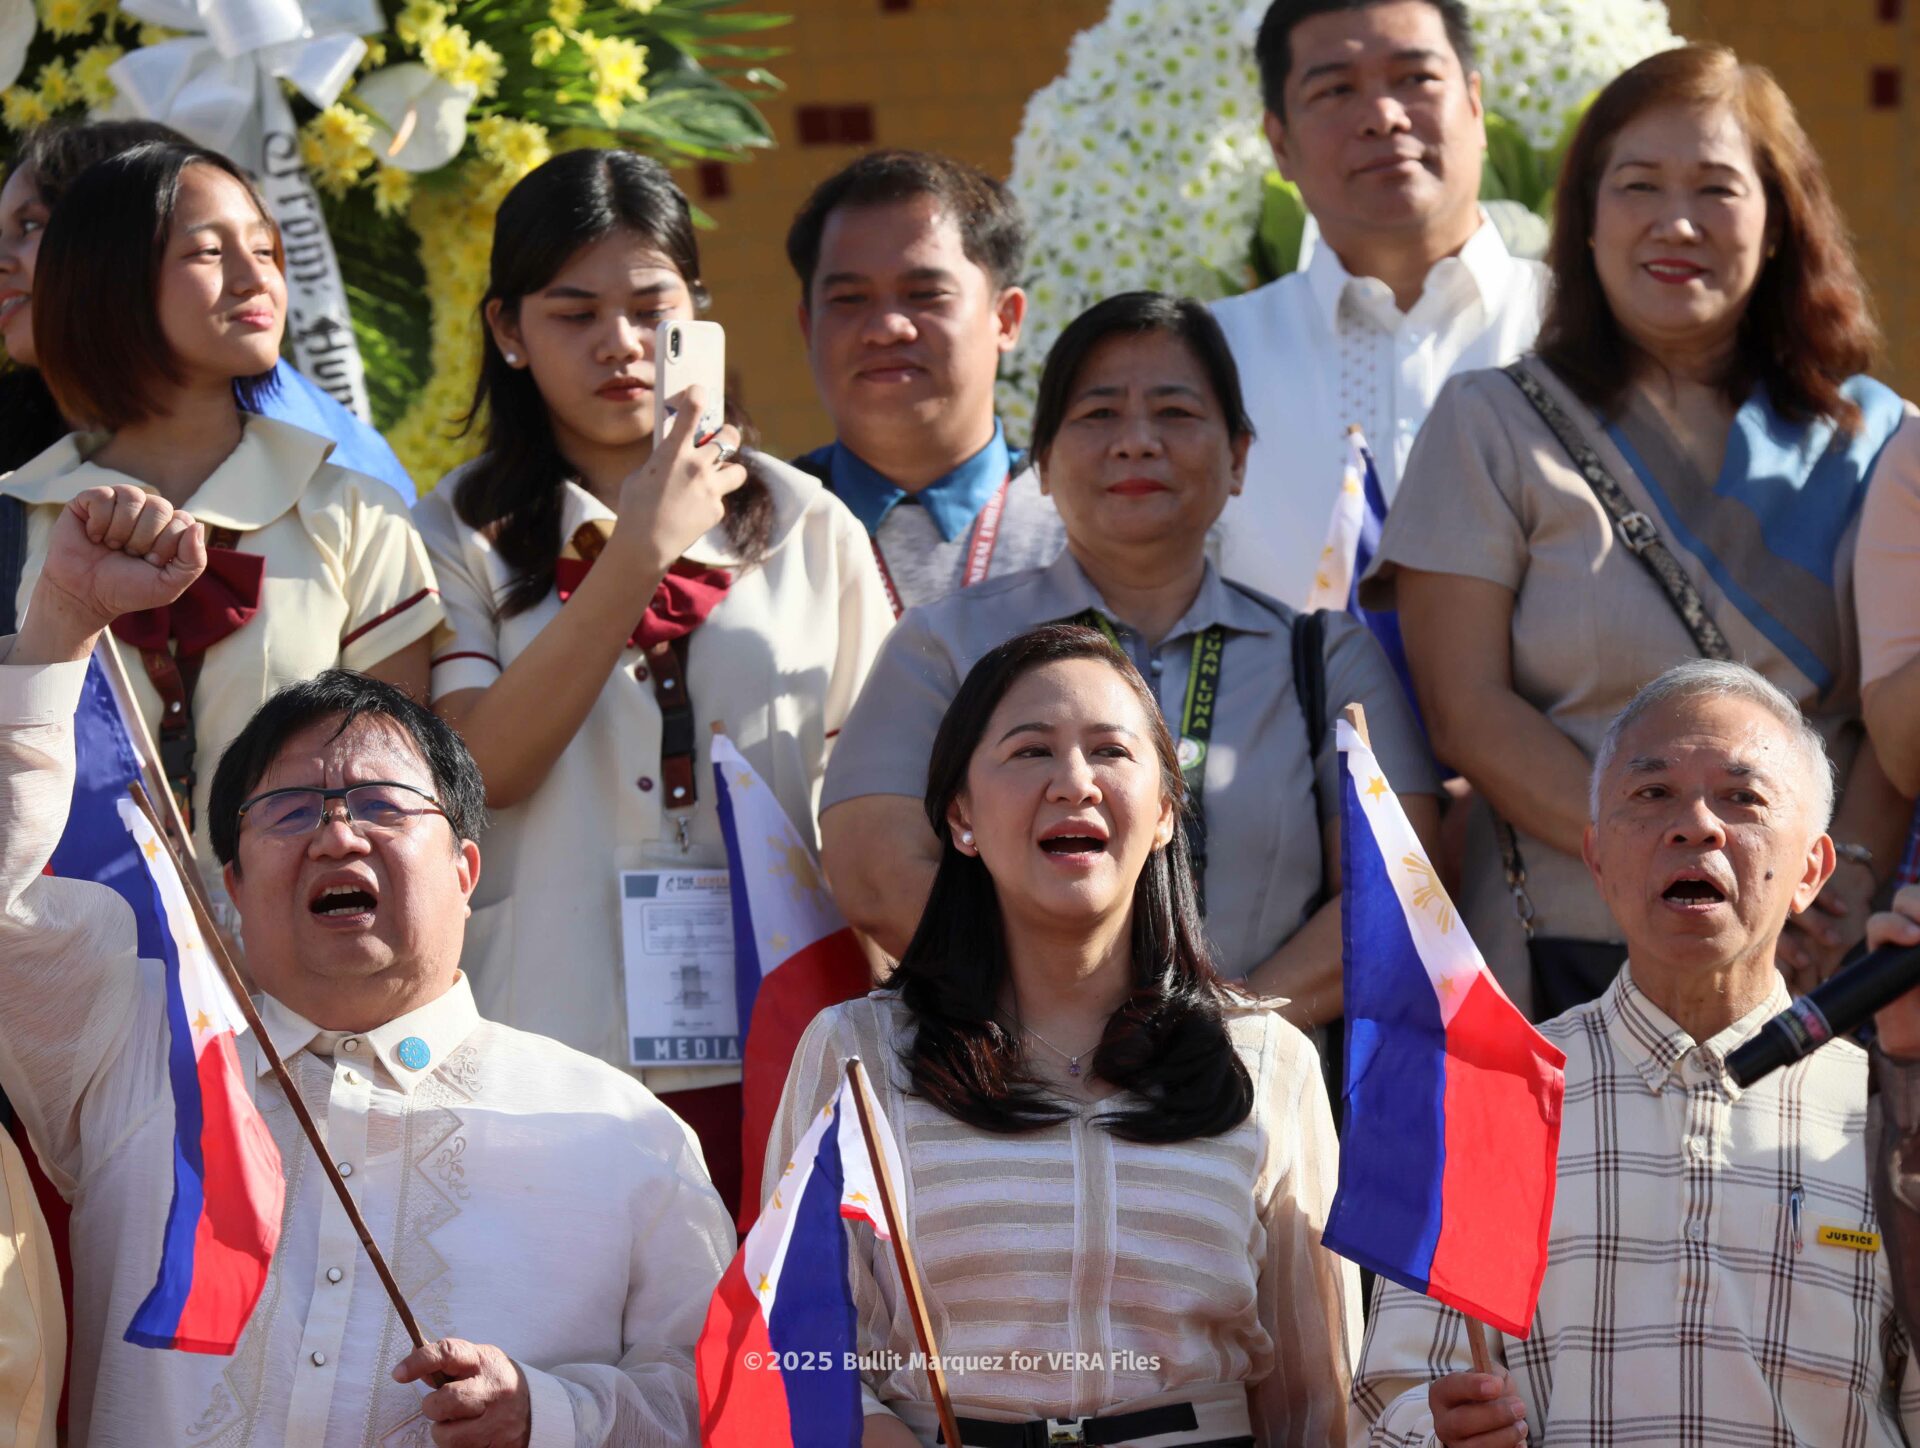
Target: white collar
1484,263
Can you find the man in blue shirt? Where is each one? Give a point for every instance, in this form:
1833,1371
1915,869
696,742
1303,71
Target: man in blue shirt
907,264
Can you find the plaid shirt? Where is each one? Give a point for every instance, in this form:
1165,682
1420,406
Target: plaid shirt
1691,1296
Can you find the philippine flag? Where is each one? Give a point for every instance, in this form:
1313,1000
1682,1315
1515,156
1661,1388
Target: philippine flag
777,1356
1353,538
227,1187
793,952
1452,1140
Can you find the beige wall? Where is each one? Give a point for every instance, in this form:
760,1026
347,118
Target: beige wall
954,75
945,75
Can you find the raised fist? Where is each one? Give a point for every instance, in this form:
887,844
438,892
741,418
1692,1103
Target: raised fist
113,551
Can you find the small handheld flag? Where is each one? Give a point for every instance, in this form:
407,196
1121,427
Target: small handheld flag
1453,1099
228,1190
785,1299
793,952
1353,539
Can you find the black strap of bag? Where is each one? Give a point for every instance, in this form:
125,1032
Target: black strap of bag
13,559
1640,538
1310,688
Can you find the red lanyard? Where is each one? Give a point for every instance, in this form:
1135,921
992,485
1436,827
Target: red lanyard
986,534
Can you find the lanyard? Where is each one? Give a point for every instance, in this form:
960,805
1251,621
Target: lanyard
1196,728
980,546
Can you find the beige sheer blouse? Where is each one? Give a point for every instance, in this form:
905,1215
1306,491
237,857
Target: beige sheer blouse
1100,1257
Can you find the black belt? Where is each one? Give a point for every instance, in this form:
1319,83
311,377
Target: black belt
1119,1428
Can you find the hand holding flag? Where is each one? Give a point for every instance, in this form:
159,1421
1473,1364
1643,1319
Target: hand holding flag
1453,1100
114,550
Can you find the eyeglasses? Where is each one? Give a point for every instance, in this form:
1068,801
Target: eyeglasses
380,806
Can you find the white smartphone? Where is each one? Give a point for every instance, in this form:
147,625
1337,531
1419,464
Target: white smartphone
690,354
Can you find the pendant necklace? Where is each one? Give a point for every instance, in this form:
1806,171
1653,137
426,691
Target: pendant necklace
1073,1062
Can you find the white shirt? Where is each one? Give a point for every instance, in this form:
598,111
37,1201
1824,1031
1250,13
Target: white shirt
779,663
1320,350
525,1195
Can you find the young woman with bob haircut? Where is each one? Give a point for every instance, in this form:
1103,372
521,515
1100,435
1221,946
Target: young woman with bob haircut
1114,1160
610,601
159,302
1705,347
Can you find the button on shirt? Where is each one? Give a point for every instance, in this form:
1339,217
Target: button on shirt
1687,1299
1320,350
525,1195
927,537
1263,828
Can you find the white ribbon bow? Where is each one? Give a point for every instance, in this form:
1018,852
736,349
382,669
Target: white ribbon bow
217,84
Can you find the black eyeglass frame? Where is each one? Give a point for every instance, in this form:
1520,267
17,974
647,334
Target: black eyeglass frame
329,795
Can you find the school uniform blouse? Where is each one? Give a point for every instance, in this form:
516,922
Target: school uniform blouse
1069,1273
347,582
777,663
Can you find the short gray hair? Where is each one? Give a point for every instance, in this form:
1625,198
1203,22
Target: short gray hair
1716,678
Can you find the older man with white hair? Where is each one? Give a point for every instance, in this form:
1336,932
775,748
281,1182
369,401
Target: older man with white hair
1713,1273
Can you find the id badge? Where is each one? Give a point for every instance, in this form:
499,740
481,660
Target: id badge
676,939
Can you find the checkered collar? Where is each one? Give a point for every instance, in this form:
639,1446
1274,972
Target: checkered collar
1661,1052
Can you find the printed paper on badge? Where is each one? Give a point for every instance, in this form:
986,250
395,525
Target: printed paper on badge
676,939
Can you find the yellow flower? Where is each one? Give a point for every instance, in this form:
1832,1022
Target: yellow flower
419,20
66,17
640,7
155,34
56,85
566,13
619,67
336,147
22,109
376,55
547,44
90,73
392,190
514,146
482,70
609,105
446,51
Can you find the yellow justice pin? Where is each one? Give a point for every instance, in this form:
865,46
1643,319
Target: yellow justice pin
1848,1237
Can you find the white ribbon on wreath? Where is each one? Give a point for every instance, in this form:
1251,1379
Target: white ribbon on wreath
219,85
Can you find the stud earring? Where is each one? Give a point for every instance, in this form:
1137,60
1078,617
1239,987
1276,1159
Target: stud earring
513,358
966,837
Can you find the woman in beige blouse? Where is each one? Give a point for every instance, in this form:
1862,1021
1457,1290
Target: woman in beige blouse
1707,336
1117,1168
607,603
159,302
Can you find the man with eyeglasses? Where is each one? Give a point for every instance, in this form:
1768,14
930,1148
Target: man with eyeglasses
539,1204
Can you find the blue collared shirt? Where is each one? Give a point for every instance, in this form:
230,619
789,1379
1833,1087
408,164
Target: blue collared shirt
298,399
953,502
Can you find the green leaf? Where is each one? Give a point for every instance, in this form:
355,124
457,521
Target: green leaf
1513,170
1283,222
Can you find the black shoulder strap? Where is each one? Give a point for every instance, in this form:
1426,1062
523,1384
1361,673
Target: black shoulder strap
1310,688
13,558
1635,528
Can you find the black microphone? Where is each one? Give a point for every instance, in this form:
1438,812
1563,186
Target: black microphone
1838,1006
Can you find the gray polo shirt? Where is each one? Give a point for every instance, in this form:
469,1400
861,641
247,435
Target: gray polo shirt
1263,821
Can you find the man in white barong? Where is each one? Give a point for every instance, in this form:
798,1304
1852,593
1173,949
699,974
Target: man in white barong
550,1223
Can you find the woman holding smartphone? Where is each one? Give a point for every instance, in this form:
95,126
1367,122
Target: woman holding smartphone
609,599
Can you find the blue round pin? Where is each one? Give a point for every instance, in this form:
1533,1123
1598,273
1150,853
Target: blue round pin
413,1054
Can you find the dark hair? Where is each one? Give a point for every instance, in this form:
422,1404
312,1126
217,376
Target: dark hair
350,696
1167,1043
1807,327
1135,314
1273,49
514,488
52,155
96,323
992,231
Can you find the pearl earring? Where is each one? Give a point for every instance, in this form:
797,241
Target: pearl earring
513,358
966,837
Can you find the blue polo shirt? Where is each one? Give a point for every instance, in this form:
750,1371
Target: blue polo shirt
953,502
298,399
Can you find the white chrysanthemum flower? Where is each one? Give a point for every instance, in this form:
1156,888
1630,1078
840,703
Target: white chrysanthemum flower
1541,58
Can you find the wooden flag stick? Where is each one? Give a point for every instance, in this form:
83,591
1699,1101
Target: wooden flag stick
173,824
1476,1331
903,1257
265,1042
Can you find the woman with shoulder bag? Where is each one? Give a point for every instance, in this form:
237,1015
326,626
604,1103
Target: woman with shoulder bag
1678,470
